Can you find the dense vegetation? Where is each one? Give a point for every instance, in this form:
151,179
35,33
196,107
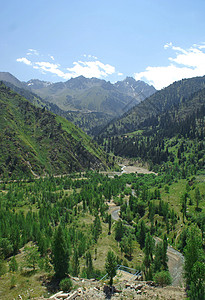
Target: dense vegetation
33,141
67,220
167,131
159,103
173,139
58,225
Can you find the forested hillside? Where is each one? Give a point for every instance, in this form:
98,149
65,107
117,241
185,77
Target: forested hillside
34,141
84,224
172,134
162,101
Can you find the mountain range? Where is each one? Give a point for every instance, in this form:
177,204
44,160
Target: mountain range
92,94
88,103
87,94
177,110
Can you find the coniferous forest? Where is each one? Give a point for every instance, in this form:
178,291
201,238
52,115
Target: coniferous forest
67,210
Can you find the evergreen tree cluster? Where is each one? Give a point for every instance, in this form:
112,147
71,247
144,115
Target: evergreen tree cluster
53,208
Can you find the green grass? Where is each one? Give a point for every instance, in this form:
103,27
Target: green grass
177,189
28,284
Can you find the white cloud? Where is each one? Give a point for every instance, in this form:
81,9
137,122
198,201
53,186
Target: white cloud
201,46
167,45
187,63
24,60
163,76
89,68
32,52
90,56
51,68
120,74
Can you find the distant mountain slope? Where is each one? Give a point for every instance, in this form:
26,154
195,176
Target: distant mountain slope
93,95
29,95
136,89
8,77
160,102
34,141
88,103
186,119
90,122
175,136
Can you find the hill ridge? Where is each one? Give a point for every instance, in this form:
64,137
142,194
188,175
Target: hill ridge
48,142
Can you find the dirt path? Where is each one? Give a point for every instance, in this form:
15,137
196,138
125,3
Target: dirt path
114,210
175,264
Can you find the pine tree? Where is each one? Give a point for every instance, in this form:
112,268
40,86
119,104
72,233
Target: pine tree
118,230
110,266
197,286
89,264
109,224
32,257
193,252
142,234
97,228
148,259
60,254
75,263
13,265
184,204
197,197
157,264
164,253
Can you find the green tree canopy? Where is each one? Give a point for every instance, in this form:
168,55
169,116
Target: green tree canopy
194,256
32,257
60,253
111,265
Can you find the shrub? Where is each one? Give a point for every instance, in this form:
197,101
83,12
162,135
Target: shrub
163,278
166,189
66,284
13,265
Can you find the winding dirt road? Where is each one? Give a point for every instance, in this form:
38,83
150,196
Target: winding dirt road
175,264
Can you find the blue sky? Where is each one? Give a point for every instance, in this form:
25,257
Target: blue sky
158,41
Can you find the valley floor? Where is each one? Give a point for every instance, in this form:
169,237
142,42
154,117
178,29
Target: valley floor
175,258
